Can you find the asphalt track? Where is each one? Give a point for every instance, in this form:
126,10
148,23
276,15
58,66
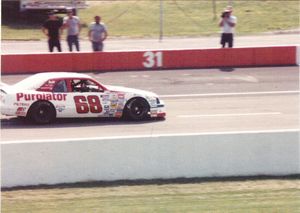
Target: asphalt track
197,101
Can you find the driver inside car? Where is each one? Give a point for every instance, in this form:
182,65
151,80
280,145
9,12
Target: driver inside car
80,86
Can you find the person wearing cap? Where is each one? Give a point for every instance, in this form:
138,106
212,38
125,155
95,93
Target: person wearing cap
72,24
52,28
97,34
227,23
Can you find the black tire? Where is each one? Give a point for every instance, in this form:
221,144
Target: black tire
42,112
137,109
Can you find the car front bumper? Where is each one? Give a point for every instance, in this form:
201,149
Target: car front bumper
159,111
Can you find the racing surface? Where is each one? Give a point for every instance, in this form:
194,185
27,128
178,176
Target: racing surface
197,101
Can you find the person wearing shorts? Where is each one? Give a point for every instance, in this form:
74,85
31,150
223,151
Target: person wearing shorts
227,23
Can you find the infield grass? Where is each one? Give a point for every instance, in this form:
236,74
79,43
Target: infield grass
251,196
140,18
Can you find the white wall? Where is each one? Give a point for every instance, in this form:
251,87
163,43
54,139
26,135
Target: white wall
33,163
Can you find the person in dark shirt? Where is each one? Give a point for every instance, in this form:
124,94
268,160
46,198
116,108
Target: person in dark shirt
52,28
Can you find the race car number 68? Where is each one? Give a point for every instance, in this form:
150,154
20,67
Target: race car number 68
153,59
90,104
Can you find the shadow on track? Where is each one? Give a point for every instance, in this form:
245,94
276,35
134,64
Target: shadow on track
22,123
227,69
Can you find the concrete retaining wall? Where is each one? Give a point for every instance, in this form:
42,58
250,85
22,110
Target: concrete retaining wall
298,55
148,60
148,157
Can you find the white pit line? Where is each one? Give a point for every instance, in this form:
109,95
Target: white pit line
229,115
71,140
230,94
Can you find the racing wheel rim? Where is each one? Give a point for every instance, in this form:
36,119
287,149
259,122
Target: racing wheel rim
43,113
138,109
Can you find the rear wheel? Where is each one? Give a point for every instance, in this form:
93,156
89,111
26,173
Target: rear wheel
42,112
137,109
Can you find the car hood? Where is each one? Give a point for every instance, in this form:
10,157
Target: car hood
130,90
7,88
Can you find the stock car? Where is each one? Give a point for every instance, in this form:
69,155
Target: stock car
43,97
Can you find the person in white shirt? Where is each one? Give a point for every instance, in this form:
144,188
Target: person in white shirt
97,34
227,22
72,24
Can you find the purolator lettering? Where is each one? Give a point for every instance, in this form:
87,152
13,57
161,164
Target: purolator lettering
48,97
19,96
41,96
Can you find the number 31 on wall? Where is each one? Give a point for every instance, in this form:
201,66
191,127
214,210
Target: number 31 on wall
153,59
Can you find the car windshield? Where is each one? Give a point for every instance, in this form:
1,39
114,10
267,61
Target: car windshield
32,82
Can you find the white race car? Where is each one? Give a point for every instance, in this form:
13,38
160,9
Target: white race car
45,96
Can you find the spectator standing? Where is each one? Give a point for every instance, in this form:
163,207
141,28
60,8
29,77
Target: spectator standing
227,22
52,28
72,24
97,34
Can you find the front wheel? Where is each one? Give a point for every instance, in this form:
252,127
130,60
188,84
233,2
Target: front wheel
137,109
42,112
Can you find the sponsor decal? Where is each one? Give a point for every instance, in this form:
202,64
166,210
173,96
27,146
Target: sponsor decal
48,86
121,96
121,101
114,104
21,104
114,97
105,97
112,111
118,114
106,110
60,108
120,107
42,96
21,111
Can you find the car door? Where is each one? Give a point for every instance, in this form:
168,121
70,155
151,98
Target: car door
85,99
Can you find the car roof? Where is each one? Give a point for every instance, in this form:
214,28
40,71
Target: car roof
36,80
49,75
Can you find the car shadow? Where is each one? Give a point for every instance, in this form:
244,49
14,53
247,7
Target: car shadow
227,69
22,123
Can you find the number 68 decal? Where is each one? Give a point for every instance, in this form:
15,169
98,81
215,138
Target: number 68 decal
90,104
153,59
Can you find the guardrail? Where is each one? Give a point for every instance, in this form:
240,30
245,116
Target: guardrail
148,60
27,163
